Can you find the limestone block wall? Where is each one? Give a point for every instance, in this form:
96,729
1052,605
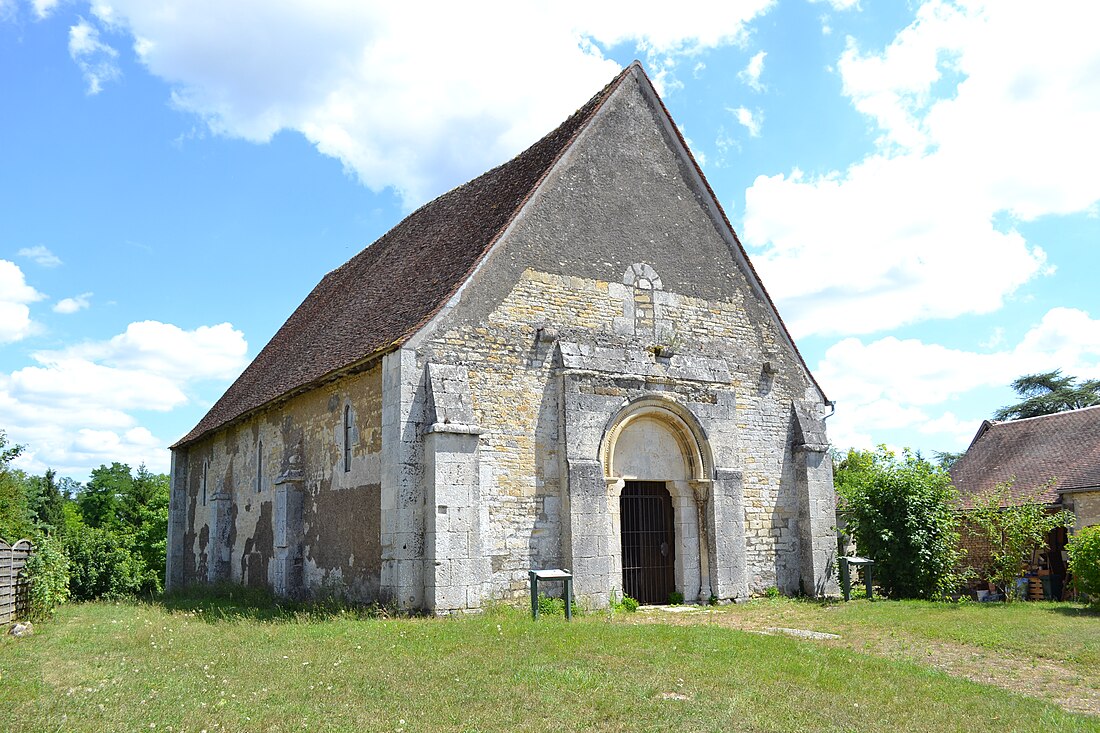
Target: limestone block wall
724,365
237,515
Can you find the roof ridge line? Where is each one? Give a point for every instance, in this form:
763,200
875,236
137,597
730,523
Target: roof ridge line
1040,417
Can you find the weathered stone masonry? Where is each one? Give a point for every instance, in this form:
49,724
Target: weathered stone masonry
612,331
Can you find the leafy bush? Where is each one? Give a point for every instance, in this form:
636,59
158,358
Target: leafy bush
549,606
675,598
901,514
1016,530
102,565
1084,561
626,604
48,571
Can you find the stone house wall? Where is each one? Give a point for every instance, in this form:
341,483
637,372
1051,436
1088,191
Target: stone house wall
1086,506
232,525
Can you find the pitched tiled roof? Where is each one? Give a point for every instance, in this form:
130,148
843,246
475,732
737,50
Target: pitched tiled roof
1063,448
381,297
375,301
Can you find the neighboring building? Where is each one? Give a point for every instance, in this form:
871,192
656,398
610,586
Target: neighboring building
1054,459
567,362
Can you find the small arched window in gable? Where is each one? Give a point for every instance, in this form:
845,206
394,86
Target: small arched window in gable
347,437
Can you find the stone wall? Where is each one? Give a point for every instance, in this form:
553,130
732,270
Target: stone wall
516,361
273,489
620,280
1086,506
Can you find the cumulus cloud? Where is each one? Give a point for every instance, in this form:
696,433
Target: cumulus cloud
97,60
953,95
15,297
72,305
76,407
750,75
748,119
41,256
406,102
896,383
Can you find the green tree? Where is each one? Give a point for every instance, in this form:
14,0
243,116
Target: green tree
1084,561
101,499
1048,393
46,503
901,514
1016,530
16,518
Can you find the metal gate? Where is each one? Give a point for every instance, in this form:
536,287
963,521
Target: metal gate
645,513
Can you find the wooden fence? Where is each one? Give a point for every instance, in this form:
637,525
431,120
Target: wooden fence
13,582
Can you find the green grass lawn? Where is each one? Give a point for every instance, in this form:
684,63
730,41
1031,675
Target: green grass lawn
1066,633
218,666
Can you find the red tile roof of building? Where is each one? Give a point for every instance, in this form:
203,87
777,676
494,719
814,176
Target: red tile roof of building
1042,456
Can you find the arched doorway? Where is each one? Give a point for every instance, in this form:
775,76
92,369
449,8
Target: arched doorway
657,470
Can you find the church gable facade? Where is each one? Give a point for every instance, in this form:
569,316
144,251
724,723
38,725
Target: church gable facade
600,384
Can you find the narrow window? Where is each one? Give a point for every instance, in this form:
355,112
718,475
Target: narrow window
205,468
259,465
347,438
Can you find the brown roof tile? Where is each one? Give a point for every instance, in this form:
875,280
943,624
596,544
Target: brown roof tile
1063,448
380,297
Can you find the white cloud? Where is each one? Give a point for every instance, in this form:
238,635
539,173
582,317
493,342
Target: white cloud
750,75
208,352
748,119
404,101
77,407
43,8
41,255
896,383
15,297
97,61
72,305
954,96
840,4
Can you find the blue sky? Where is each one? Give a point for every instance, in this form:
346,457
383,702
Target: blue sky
915,182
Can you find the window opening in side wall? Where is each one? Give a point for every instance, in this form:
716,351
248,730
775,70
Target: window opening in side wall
347,438
259,465
205,470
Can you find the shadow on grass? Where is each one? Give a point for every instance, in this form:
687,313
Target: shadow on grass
227,602
1075,611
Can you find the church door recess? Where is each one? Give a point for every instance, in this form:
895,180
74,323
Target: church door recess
645,512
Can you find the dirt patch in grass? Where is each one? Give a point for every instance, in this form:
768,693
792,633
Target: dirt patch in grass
1045,679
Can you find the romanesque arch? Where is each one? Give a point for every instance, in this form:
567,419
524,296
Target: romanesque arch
654,454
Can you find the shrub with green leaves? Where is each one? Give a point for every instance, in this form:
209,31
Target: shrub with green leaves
48,571
102,564
1084,561
901,514
1016,529
550,606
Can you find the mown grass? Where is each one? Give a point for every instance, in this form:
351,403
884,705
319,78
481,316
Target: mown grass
1066,633
246,664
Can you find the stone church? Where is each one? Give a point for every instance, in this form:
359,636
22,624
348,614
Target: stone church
567,362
